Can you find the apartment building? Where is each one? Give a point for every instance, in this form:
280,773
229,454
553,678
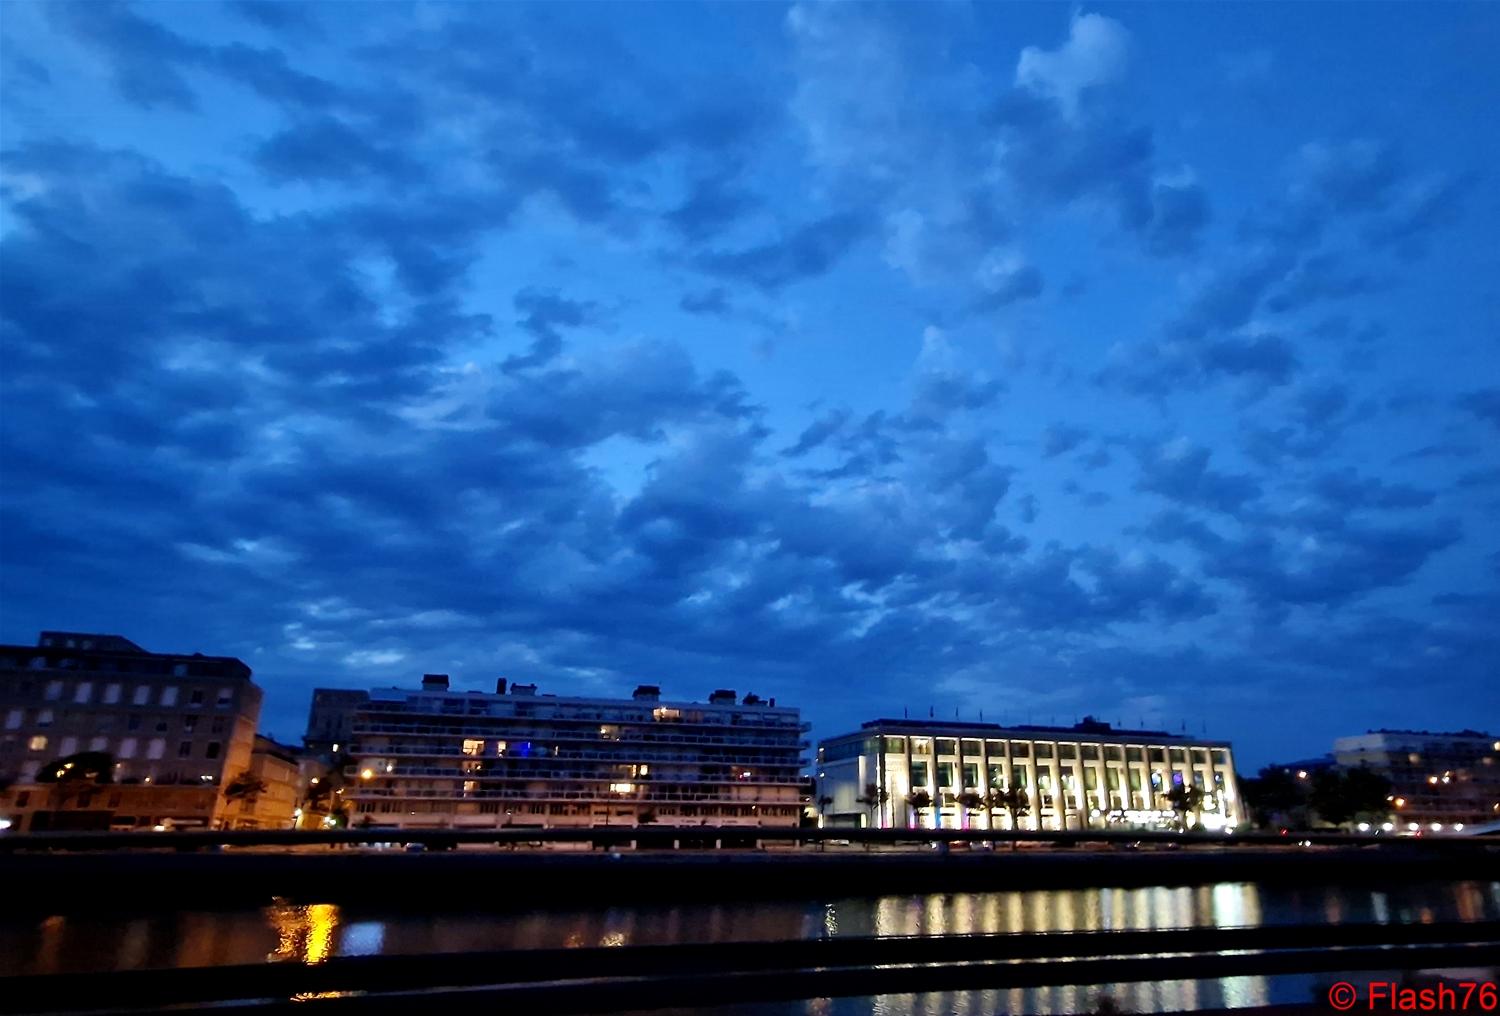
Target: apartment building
439,758
173,729
1439,781
1087,776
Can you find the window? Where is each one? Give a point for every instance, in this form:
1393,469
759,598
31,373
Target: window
226,698
1020,777
83,692
945,774
13,719
188,723
217,727
995,747
133,722
142,693
1044,751
44,718
53,691
971,774
212,751
23,799
1020,749
179,670
196,698
67,746
896,745
1091,753
185,749
1067,751
169,695
947,746
1135,754
918,775
127,747
1090,778
921,746
972,747
111,693
38,742
98,743
473,747
997,776
156,747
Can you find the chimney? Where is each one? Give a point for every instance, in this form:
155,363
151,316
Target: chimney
434,682
722,697
499,686
523,689
750,699
647,693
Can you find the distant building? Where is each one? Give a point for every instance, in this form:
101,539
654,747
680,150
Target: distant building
1087,776
175,729
330,721
275,784
1438,780
440,758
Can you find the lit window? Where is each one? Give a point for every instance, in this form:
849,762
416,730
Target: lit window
473,747
98,743
622,788
666,714
141,694
127,747
37,743
67,745
83,692
169,695
156,748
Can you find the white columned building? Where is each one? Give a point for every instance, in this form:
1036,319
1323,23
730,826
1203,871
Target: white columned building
1088,776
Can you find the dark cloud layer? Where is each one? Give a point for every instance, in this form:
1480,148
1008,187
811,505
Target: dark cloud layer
447,362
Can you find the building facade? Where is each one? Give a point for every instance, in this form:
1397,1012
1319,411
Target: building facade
270,793
1089,776
174,729
1439,781
439,758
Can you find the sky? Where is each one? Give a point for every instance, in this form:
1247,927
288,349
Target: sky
1024,361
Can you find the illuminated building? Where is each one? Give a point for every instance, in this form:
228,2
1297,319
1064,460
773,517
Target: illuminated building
175,728
1440,780
435,757
1088,776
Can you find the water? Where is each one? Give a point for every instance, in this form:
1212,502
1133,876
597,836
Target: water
314,933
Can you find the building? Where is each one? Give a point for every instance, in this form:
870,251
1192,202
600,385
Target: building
269,795
166,731
330,721
438,758
1085,776
1439,781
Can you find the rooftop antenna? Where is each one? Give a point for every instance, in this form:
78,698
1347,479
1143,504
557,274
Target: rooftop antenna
929,712
981,716
903,713
955,712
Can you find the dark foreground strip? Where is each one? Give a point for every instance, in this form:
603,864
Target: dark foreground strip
613,979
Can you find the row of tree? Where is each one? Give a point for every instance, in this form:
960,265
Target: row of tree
1013,801
1334,796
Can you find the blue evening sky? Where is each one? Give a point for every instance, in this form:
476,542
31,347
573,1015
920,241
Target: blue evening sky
1137,361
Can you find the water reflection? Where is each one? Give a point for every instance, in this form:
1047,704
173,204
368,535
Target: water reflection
304,934
314,933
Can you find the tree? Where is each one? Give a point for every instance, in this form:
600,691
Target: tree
1276,796
1185,799
246,786
1014,802
1344,796
875,796
970,802
919,800
70,774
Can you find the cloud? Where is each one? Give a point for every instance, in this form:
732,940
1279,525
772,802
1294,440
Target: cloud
1483,403
543,314
805,252
1060,438
1096,53
1179,471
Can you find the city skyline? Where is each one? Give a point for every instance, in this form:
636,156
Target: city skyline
1051,361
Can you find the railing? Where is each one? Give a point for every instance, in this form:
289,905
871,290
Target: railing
611,979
